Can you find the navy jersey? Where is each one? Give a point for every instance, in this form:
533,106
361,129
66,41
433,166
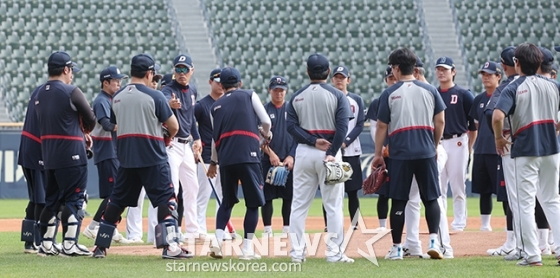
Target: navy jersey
282,142
494,99
458,102
409,109
319,110
202,115
485,142
30,144
104,138
185,115
59,107
372,110
139,112
533,103
236,134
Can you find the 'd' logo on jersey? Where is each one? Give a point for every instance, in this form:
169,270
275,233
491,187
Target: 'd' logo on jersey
454,99
272,116
482,105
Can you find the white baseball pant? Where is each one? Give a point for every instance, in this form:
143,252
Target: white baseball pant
204,194
134,219
412,214
455,173
183,170
535,176
309,171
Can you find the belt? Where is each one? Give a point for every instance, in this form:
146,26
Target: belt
450,136
183,140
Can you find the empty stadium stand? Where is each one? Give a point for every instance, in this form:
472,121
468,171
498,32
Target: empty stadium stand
95,33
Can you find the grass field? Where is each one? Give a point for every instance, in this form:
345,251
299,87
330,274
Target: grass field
16,264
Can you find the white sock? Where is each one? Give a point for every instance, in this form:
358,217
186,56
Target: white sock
383,223
93,224
268,229
248,246
543,238
510,240
397,245
219,236
485,219
550,238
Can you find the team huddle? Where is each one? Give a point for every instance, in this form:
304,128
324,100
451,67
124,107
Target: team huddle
179,151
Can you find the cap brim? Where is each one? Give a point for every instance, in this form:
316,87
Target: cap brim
487,71
75,67
444,65
183,64
217,79
342,73
557,48
278,86
119,76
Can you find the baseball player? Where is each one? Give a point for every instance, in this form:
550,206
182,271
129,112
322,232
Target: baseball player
202,115
31,161
318,116
485,158
402,118
182,99
351,147
534,146
280,152
458,137
383,192
139,112
236,147
104,146
63,115
412,246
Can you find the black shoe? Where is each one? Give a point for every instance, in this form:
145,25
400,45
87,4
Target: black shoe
30,248
99,252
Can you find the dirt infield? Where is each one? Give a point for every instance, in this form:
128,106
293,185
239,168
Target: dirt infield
471,242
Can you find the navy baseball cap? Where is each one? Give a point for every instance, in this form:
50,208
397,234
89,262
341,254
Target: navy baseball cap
184,60
167,78
507,55
388,71
557,48
341,70
419,63
230,76
445,62
548,59
111,72
278,82
317,63
61,59
215,75
143,62
490,67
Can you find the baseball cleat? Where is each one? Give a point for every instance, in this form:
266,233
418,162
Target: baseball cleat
99,252
183,254
409,253
118,238
216,252
75,250
46,252
486,229
434,251
500,251
513,256
343,259
546,251
298,260
136,240
524,262
90,233
250,257
395,253
30,248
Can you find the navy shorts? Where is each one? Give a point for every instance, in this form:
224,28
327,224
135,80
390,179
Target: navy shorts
501,192
155,179
401,173
107,172
355,182
384,189
66,185
485,173
272,192
35,184
252,183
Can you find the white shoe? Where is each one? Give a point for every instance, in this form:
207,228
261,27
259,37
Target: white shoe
298,260
514,256
136,240
434,250
343,259
118,238
249,256
486,229
90,233
380,229
75,250
396,253
227,236
546,251
216,252
410,253
500,251
447,255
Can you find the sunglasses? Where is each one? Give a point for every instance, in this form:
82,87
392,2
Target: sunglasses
182,70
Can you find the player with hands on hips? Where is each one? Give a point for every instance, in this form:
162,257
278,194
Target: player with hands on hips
318,116
279,153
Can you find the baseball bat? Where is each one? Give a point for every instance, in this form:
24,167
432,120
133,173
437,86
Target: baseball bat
229,225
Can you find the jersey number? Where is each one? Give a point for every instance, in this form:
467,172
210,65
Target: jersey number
453,99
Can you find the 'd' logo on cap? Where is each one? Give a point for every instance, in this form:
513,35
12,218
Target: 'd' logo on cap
182,58
339,69
278,80
486,65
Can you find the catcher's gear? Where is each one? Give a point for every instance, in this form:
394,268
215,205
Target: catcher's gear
375,180
277,175
166,135
337,172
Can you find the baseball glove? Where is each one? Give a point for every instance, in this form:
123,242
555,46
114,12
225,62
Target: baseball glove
166,135
375,180
277,175
337,172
